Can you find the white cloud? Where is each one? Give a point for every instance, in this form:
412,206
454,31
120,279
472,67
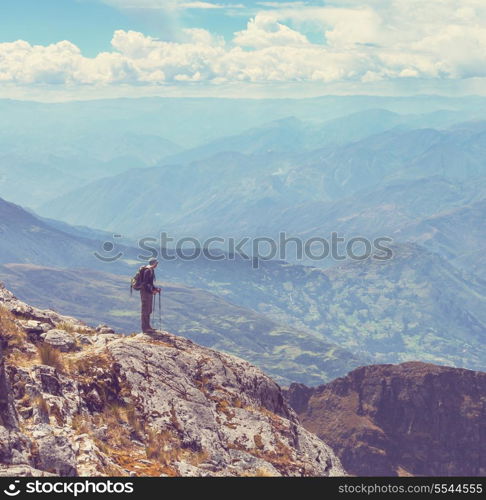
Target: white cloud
397,39
264,31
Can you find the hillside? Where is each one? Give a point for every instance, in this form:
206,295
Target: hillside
287,354
83,402
27,238
456,234
24,237
410,419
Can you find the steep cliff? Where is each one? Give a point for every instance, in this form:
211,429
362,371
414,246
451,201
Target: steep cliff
82,401
408,419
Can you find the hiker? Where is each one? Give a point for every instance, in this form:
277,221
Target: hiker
147,293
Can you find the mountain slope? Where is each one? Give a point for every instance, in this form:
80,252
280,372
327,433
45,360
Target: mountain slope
26,238
287,354
456,234
409,419
111,405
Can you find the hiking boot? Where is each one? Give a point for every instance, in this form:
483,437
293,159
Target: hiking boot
149,330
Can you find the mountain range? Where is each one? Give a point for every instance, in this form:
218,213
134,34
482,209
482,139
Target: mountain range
297,192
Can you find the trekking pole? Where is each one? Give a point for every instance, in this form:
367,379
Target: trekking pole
160,312
152,314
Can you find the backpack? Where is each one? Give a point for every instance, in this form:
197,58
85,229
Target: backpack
136,281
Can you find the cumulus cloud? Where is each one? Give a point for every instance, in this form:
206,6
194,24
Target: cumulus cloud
396,39
265,31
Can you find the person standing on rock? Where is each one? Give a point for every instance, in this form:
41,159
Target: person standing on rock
147,292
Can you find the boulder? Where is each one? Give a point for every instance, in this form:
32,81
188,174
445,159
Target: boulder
60,339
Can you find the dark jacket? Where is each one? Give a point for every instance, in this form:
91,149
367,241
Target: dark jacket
148,279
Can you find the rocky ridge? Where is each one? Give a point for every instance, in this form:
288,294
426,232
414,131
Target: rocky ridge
78,401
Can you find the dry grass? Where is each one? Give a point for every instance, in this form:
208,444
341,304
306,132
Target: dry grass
198,458
80,424
51,356
258,441
88,363
67,327
56,412
258,473
10,331
223,406
134,420
162,447
42,406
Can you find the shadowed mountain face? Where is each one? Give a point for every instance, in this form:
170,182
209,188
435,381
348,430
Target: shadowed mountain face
410,419
288,354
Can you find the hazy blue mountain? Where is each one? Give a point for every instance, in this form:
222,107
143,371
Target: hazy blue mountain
72,143
457,234
31,181
239,194
191,122
293,135
37,166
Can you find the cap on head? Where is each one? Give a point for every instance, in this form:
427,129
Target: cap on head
153,262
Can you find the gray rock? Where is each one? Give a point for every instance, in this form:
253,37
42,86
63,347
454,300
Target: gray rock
216,403
55,453
22,471
60,339
104,329
188,470
83,339
36,327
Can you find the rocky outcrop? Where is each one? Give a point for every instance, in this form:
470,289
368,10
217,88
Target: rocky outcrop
408,419
82,401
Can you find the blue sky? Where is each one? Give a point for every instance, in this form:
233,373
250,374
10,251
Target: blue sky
90,24
147,46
